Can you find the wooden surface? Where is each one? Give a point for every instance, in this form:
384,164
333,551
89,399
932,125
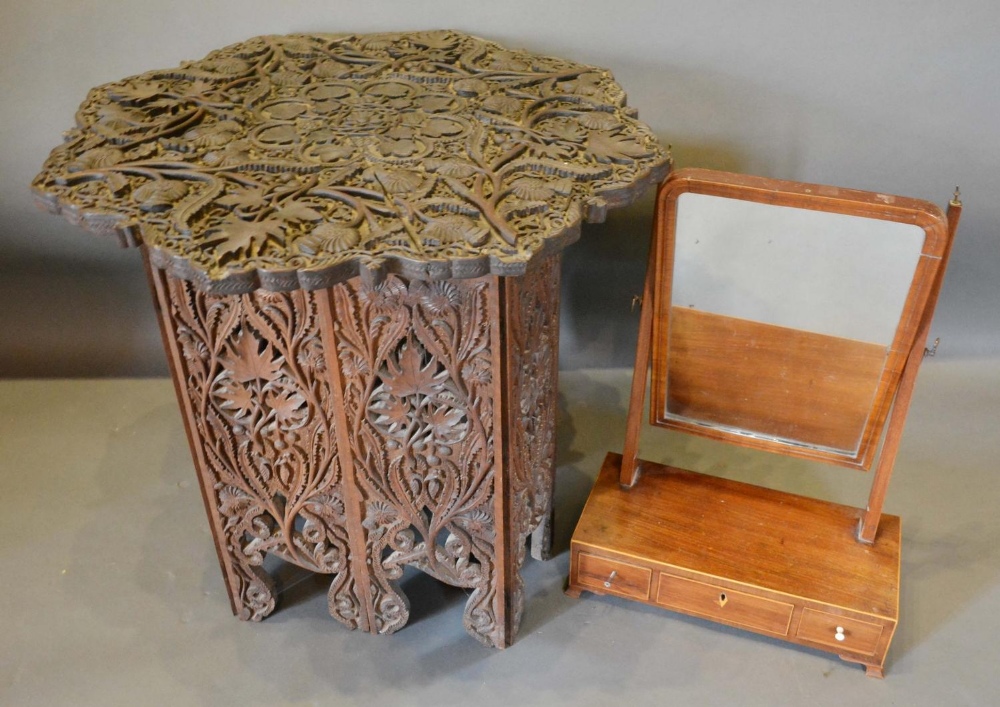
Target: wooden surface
810,196
301,161
791,384
758,537
894,427
774,563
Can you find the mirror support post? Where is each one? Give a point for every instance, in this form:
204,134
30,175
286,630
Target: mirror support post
630,455
868,526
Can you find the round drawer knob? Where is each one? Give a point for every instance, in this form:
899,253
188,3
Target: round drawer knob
840,633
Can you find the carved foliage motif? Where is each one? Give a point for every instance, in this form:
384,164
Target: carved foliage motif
292,161
417,362
253,370
532,318
533,331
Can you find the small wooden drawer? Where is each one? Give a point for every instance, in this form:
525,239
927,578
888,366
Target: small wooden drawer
726,605
613,576
839,632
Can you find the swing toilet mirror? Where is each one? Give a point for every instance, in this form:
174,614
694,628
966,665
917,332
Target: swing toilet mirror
786,317
784,313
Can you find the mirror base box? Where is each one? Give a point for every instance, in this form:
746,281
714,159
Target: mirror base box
766,561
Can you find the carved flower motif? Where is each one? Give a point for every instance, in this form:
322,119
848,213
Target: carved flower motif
504,105
479,369
310,356
453,228
352,366
383,296
235,502
586,84
328,238
192,348
230,65
97,158
376,42
477,522
509,61
330,68
457,167
299,46
599,120
440,297
615,148
398,181
532,189
434,39
391,93
378,515
207,137
333,152
159,194
441,127
471,87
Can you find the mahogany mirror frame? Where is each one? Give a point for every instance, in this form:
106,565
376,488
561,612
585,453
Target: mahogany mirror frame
888,410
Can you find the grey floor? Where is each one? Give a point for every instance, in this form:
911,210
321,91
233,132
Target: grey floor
110,592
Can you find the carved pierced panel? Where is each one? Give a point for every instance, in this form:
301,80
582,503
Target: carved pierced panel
254,373
418,365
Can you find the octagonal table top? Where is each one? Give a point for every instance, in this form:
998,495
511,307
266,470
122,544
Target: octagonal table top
298,161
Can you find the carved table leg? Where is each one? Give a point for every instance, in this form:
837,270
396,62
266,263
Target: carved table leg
532,341
249,371
416,365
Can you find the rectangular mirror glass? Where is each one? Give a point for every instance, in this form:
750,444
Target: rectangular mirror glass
784,322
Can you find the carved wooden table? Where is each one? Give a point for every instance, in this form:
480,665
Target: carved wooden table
353,244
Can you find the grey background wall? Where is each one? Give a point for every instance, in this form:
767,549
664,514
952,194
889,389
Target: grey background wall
894,96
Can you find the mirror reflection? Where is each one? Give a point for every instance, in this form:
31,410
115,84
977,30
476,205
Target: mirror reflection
782,318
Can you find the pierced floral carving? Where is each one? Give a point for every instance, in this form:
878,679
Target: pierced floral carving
357,445
254,375
418,364
532,319
295,160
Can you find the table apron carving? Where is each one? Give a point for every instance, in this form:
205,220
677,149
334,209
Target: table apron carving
358,429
